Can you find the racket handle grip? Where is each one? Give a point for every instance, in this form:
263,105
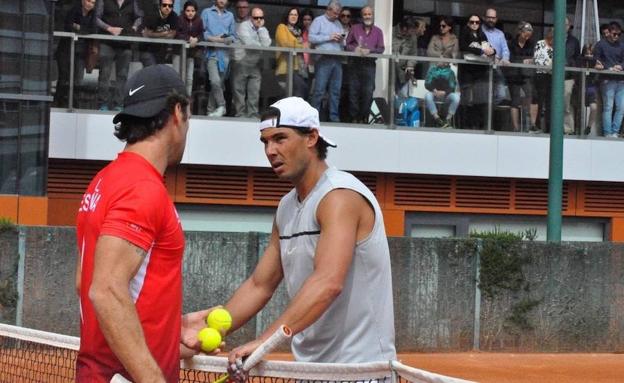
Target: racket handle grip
280,336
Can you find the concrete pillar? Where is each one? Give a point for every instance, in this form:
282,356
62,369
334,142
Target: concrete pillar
383,20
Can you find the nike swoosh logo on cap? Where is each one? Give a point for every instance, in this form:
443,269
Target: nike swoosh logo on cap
133,91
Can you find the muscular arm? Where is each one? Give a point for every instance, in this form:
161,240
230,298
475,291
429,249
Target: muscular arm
256,291
344,217
116,263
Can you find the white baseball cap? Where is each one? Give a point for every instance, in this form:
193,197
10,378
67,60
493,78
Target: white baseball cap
295,112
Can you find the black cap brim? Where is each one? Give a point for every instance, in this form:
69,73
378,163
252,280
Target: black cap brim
142,109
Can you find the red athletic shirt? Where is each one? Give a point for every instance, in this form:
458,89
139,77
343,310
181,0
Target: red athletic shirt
128,199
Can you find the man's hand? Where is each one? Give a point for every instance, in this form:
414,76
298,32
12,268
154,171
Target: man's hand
439,93
193,41
235,365
599,65
115,31
192,323
337,37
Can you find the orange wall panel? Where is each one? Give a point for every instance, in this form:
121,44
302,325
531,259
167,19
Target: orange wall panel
33,210
62,211
617,229
394,220
8,207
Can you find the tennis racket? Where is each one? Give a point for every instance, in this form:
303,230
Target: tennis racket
280,336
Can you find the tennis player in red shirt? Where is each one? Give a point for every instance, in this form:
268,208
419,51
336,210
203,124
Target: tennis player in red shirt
130,242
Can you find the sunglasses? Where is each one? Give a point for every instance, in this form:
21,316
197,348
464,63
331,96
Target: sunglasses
347,16
474,22
443,25
166,5
258,17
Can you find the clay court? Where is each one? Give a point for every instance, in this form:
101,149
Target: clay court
519,368
516,368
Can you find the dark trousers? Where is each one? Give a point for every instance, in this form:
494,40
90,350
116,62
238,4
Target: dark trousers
544,91
361,88
120,55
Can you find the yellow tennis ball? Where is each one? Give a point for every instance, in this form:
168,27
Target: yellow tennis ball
210,339
219,319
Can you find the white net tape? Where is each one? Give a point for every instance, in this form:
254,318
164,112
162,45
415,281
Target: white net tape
297,371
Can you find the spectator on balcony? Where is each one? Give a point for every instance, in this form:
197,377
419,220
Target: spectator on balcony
161,25
219,27
591,90
364,39
247,66
520,80
573,55
604,30
307,16
497,40
115,17
441,86
190,29
444,43
346,19
242,12
80,19
405,43
609,54
543,55
290,35
326,33
473,78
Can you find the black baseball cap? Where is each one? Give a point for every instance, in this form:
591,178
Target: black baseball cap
145,93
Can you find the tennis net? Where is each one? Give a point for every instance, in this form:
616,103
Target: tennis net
28,355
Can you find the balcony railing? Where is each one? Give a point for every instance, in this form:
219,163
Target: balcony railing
399,97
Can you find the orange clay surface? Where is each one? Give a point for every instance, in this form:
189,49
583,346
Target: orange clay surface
517,368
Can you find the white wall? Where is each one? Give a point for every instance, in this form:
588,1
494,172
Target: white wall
235,142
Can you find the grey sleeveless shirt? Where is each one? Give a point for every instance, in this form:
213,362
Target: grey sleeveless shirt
359,325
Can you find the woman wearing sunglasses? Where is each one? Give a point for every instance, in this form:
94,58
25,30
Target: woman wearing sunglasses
473,78
444,43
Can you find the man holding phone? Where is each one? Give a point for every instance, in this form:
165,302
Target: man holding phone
326,33
219,27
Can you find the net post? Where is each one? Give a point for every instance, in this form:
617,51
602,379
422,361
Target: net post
393,374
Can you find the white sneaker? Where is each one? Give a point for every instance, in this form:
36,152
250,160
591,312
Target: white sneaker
219,112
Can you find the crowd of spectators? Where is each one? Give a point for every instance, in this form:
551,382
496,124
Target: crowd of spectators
342,88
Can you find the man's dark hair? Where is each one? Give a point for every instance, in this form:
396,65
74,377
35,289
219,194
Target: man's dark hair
615,26
407,22
604,26
134,129
321,145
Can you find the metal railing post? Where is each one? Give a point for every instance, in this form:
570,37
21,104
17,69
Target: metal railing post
490,108
391,92
582,106
183,64
290,73
72,65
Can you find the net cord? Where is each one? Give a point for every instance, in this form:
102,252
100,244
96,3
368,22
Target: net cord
274,368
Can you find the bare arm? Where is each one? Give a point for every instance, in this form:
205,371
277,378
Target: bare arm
340,215
246,301
256,291
116,263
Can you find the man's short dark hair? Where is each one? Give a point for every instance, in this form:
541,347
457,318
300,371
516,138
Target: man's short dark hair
321,145
615,26
133,129
407,22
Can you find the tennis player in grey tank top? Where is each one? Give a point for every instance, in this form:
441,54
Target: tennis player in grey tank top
359,324
329,246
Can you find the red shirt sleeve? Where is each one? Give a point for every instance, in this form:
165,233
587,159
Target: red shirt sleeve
136,214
